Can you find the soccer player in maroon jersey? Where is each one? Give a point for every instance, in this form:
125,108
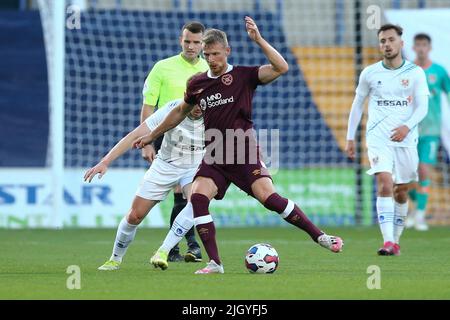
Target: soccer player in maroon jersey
225,95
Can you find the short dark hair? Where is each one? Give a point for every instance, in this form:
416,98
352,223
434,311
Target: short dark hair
389,26
194,27
422,36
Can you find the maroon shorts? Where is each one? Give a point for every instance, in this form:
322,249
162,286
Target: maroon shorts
242,175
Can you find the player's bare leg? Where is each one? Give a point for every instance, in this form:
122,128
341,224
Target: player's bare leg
385,211
264,191
203,190
126,231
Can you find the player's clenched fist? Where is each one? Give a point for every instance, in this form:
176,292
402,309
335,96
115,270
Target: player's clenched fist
252,29
141,142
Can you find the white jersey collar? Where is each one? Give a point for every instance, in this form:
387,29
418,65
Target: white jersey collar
209,74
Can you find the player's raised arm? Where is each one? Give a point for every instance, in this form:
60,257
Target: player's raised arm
173,119
120,148
277,66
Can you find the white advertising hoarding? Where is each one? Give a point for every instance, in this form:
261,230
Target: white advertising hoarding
25,198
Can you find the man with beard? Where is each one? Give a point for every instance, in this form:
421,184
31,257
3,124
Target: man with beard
398,101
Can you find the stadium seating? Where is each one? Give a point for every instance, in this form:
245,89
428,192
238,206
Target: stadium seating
286,104
23,90
330,74
292,110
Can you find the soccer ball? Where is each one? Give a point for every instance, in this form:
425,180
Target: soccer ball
261,258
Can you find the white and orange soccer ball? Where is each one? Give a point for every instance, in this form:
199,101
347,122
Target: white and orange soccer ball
261,258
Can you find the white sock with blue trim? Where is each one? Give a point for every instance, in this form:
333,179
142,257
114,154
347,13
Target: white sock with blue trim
385,210
181,225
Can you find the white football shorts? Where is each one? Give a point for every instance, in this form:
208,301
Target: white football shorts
161,178
401,162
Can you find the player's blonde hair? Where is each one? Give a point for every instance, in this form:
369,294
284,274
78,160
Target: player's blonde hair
212,36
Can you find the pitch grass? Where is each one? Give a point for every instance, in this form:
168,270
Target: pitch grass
34,264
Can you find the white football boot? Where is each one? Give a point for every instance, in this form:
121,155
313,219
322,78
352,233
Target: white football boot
332,243
211,267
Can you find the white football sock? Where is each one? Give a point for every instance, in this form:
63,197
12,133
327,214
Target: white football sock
125,234
181,225
401,211
385,210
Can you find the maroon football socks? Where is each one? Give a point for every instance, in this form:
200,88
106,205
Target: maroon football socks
292,214
205,225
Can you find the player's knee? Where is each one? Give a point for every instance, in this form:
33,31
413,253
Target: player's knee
400,198
263,195
262,189
385,190
401,195
200,204
134,217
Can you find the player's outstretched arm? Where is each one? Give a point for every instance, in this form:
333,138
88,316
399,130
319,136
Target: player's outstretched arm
120,148
277,66
172,119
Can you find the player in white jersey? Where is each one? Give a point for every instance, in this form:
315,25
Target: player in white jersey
398,101
176,163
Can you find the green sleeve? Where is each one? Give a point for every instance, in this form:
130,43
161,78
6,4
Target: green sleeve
445,81
152,86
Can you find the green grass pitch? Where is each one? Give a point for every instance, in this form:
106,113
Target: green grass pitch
34,265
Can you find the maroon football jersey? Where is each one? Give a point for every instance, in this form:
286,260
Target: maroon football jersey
226,101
